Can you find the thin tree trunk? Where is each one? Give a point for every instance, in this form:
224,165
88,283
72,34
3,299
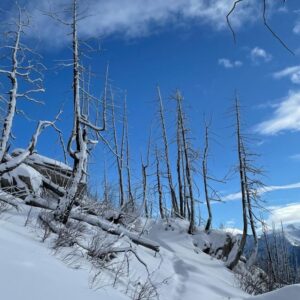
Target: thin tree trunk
242,244
144,176
187,164
12,102
118,157
204,171
130,195
166,152
179,171
159,186
252,257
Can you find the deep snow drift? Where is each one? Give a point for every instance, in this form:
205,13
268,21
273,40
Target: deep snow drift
30,270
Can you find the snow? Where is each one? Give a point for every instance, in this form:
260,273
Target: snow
291,292
25,171
292,233
42,160
31,271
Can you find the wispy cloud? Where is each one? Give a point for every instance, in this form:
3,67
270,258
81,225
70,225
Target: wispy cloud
134,18
293,73
228,64
266,189
287,214
258,55
286,116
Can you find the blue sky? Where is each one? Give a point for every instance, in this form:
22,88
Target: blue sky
186,45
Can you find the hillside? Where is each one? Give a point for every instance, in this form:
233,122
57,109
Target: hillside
180,270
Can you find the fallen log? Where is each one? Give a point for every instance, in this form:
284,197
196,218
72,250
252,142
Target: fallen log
97,221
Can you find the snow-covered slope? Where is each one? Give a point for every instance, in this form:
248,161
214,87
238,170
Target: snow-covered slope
30,271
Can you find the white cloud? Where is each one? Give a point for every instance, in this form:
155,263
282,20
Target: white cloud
133,18
287,214
258,54
296,28
266,189
286,116
293,73
228,64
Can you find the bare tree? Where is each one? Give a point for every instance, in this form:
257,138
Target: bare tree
25,80
205,179
145,166
241,168
118,153
179,165
159,185
128,169
188,169
84,132
174,202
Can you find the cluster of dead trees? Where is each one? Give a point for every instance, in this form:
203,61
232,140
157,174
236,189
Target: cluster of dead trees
174,185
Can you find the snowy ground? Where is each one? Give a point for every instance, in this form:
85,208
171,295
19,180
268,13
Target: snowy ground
30,271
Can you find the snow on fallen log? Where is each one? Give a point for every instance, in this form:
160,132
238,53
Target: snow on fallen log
97,221
10,199
116,230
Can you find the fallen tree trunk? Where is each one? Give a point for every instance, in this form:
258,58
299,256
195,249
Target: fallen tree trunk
116,230
96,221
10,199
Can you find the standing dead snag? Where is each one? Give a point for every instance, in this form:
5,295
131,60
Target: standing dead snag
188,170
178,167
205,183
144,175
84,133
159,186
241,168
166,155
125,121
250,186
118,154
25,80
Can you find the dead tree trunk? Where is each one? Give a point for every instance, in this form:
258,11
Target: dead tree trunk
23,69
205,183
81,128
178,166
159,186
119,156
241,167
252,257
166,155
128,169
187,163
144,176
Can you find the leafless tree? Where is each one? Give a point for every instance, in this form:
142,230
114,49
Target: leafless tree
84,132
128,169
145,166
25,81
179,166
119,153
159,185
251,185
205,179
187,158
174,202
241,169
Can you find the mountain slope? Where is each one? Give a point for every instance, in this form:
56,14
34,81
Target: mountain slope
30,271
